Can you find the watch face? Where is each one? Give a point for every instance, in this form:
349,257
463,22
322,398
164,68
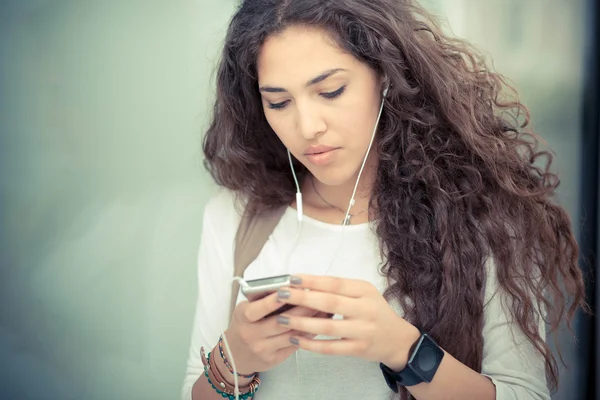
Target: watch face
426,358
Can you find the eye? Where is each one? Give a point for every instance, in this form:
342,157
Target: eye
333,95
278,106
327,95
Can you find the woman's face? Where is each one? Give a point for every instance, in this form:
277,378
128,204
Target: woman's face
320,101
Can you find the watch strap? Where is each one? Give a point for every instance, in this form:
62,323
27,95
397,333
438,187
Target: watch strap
405,377
411,374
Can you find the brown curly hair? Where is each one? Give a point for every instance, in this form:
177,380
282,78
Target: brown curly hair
459,177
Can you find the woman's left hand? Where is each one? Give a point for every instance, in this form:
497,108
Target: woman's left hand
370,330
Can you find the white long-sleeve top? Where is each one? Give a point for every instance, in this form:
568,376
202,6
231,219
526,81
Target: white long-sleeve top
509,359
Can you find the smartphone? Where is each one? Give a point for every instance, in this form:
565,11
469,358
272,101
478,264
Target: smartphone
257,289
260,288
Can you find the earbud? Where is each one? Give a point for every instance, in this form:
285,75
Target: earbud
386,88
385,91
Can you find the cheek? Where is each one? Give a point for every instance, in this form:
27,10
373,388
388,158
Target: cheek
282,127
356,125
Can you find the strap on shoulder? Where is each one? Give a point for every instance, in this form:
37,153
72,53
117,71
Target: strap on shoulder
252,234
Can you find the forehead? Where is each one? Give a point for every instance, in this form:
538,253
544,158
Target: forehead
298,54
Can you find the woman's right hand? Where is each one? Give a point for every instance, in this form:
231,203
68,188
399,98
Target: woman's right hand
258,343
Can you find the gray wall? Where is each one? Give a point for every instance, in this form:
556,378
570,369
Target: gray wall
103,105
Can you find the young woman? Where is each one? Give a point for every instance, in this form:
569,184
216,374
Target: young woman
444,269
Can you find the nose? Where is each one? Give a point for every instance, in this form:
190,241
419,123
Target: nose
309,121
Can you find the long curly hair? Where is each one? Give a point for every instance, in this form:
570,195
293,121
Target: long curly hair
459,180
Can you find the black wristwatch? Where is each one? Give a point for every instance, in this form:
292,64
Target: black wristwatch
424,359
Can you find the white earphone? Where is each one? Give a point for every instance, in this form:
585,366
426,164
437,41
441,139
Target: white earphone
298,193
351,204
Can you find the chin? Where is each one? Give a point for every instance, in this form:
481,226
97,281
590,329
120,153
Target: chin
333,178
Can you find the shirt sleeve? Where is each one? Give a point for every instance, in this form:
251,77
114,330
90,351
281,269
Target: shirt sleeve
215,273
513,364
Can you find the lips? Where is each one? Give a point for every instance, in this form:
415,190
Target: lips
314,150
321,155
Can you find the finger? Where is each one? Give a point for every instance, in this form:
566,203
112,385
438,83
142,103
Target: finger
304,334
269,327
321,301
257,310
322,314
303,312
275,343
283,353
347,329
283,340
287,307
277,349
307,312
341,347
331,284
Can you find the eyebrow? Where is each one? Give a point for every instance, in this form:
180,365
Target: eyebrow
313,81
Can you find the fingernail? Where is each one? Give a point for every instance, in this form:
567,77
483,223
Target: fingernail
294,280
281,320
294,341
283,294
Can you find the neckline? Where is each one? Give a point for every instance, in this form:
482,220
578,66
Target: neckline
326,225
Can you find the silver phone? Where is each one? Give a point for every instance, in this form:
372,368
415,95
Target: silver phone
260,288
257,289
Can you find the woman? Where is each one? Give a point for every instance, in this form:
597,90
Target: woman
452,254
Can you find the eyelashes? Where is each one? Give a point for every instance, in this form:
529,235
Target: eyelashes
333,95
278,106
326,95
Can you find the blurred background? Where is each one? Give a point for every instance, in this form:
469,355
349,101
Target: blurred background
102,109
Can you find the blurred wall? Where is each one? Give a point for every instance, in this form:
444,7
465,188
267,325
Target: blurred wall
102,189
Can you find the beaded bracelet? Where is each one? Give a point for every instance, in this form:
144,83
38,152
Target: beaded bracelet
225,389
220,385
227,395
226,362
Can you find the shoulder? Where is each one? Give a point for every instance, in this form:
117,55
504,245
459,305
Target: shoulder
224,207
221,217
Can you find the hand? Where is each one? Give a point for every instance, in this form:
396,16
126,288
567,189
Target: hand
370,330
258,343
